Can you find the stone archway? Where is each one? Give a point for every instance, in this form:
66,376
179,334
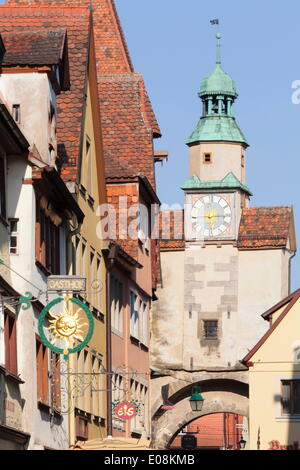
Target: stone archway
219,397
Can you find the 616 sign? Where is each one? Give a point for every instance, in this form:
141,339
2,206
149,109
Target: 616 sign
125,410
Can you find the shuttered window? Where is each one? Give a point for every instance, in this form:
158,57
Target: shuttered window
47,242
10,338
42,372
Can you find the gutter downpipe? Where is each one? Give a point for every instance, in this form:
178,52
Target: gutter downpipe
71,414
290,272
110,264
108,357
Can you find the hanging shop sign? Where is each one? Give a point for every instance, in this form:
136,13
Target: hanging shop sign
125,410
68,327
66,283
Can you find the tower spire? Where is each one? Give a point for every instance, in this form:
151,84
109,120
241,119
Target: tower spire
218,57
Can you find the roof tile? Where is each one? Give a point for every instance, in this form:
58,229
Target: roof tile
262,227
41,47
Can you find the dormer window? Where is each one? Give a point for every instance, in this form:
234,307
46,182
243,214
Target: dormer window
16,113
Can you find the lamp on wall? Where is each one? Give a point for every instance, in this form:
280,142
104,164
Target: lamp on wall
196,400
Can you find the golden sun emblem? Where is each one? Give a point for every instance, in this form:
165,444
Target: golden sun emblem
66,326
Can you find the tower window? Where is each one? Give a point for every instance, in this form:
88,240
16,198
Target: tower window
210,329
243,161
207,158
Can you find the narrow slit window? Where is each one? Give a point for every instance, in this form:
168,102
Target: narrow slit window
16,112
88,152
13,236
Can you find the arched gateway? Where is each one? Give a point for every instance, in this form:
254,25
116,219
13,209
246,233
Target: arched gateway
222,393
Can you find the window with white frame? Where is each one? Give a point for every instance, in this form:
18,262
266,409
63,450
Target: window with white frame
117,397
134,315
144,323
146,411
13,236
143,233
116,294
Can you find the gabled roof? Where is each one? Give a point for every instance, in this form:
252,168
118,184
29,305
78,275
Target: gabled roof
266,227
128,120
44,47
289,302
70,104
229,182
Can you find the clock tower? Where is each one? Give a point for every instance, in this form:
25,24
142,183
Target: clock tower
216,191
223,263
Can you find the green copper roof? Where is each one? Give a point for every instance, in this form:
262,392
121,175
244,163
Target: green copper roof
229,182
218,83
217,128
218,94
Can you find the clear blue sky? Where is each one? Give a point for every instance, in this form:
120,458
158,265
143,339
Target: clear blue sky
173,44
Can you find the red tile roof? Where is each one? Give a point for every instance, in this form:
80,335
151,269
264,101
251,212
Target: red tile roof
127,128
42,47
112,50
128,120
263,227
171,225
115,169
70,104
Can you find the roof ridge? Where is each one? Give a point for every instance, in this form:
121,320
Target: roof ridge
268,207
122,35
281,303
36,31
32,11
290,300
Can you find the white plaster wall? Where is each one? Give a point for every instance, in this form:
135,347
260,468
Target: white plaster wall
226,158
285,273
34,93
21,205
263,283
225,284
215,295
167,329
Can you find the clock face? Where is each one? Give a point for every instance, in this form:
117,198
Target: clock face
211,215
